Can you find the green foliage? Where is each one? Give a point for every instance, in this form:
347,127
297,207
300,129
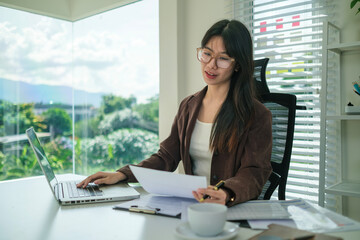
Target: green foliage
124,146
149,111
353,3
133,145
21,166
16,118
111,103
87,128
117,120
2,160
58,119
123,133
78,160
59,153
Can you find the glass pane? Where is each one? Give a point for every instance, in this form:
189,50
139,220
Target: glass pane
35,80
116,85
89,89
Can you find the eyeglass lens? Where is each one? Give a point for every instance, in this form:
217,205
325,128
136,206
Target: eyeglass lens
205,56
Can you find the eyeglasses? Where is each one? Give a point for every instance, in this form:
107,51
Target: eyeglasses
222,61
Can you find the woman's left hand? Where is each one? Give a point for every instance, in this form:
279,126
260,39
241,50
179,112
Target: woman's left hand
218,196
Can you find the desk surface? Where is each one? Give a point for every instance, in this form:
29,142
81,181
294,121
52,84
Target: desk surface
29,211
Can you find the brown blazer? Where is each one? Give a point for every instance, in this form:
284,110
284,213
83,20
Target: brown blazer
245,170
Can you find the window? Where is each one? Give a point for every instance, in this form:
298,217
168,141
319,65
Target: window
290,34
89,88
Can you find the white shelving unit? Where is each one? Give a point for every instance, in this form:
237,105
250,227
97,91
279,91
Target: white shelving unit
345,188
343,117
333,115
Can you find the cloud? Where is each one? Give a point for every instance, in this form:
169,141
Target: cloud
105,62
34,54
110,60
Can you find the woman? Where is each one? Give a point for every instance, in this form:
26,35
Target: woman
221,132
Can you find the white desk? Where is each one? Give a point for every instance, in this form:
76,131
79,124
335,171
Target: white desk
29,211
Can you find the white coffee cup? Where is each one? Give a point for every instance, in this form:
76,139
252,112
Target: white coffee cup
207,219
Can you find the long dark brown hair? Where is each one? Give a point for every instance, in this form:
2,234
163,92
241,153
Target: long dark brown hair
236,112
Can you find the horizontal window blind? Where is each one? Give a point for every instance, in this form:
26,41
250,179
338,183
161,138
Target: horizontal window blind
289,33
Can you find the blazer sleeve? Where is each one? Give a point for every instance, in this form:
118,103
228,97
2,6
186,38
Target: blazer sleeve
255,166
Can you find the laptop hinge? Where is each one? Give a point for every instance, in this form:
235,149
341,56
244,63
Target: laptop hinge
62,190
57,191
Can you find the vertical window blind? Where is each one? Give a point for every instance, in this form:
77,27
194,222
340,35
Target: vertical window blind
289,33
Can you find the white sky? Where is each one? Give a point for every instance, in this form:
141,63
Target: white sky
114,52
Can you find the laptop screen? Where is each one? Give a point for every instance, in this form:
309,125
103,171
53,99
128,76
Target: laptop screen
41,157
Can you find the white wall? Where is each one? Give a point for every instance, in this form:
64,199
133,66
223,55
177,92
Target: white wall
182,26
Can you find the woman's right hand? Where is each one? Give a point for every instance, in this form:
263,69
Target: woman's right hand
102,178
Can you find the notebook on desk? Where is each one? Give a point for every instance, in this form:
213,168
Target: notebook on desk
67,193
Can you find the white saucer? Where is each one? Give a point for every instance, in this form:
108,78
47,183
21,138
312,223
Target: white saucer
183,231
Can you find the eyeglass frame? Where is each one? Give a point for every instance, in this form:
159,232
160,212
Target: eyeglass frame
213,56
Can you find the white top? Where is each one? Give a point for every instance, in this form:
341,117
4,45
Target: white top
199,149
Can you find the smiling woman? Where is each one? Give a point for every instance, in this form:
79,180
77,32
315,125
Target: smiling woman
92,73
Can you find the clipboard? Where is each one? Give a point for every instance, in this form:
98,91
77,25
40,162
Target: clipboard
157,205
147,210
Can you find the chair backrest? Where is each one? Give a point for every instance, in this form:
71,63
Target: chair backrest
260,76
283,108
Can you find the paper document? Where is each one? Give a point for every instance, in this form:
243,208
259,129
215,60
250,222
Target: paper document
168,183
257,210
324,220
305,216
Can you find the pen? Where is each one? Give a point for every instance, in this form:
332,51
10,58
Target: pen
146,209
216,187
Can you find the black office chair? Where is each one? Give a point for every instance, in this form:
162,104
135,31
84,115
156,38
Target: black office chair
261,86
260,76
283,108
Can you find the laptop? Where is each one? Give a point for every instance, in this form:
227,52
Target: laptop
67,193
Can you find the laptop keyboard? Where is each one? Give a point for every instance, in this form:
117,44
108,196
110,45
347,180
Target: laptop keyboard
90,190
